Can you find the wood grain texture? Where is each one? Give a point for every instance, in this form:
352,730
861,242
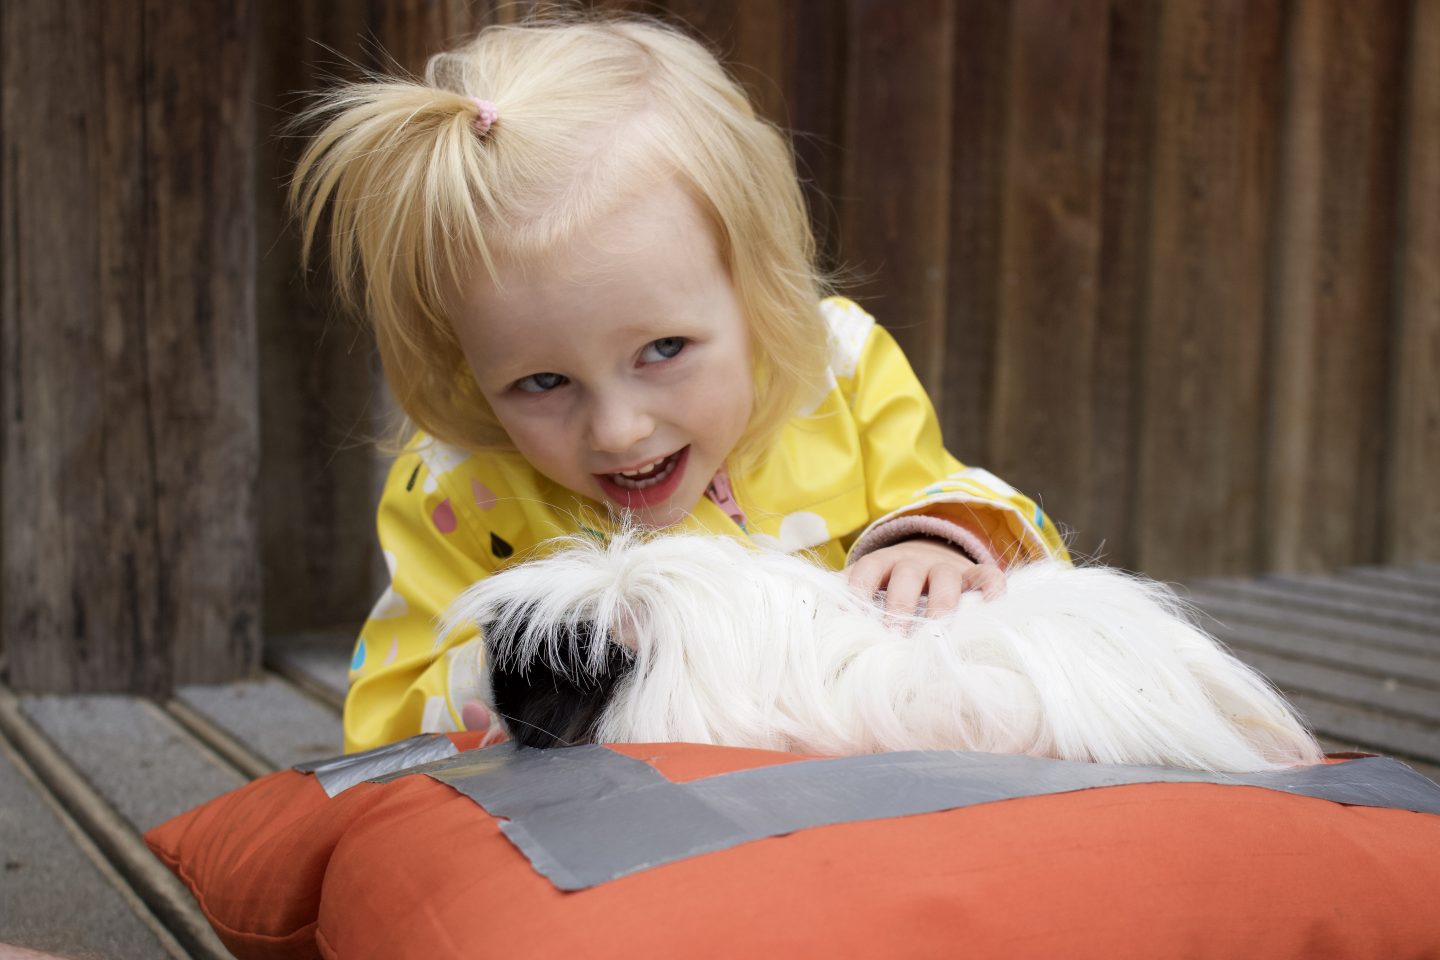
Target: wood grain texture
1335,299
1042,423
1201,426
131,435
1412,518
322,401
200,333
410,32
1117,371
977,177
791,59
815,44
83,571
895,207
761,54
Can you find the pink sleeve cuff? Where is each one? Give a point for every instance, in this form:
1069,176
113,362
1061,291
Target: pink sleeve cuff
922,525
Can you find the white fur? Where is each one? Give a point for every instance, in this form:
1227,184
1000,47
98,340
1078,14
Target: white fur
756,649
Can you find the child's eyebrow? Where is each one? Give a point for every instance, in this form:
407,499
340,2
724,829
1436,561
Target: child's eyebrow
505,374
502,368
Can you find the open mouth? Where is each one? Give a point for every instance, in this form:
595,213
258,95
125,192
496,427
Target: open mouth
648,483
647,475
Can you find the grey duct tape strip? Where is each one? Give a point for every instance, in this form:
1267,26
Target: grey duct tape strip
342,773
584,815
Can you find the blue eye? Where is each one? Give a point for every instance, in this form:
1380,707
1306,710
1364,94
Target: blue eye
662,349
540,382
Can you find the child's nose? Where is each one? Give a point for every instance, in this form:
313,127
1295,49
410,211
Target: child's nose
618,426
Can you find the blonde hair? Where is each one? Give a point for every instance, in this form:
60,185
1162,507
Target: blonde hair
411,197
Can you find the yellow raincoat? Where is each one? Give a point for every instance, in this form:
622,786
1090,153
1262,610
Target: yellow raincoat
868,452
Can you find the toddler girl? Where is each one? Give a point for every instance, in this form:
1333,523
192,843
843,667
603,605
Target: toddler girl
593,284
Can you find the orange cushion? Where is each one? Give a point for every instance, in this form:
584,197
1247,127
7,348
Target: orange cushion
414,868
255,858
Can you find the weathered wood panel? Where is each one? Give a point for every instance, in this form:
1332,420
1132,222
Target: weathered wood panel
1202,404
791,58
280,725
45,866
130,431
815,49
1411,528
977,156
1336,271
897,157
78,466
1041,423
199,314
323,404
1108,529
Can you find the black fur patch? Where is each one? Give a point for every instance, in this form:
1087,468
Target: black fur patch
544,707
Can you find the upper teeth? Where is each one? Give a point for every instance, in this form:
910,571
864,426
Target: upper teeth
643,468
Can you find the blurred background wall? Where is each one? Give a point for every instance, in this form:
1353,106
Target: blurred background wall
1172,267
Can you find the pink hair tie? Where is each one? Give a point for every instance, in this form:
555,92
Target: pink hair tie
486,114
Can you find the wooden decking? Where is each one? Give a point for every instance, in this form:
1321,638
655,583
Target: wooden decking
82,777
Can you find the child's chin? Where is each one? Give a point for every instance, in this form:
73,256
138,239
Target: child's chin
658,516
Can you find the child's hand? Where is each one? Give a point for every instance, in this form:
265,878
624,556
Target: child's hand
912,568
476,716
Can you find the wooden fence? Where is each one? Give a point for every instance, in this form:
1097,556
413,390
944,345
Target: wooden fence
1174,267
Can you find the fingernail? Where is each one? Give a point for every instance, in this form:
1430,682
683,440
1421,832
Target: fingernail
475,716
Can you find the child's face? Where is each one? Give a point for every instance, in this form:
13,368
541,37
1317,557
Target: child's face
622,351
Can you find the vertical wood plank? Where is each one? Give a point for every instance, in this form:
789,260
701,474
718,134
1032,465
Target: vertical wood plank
814,92
325,406
201,354
754,40
791,59
1041,427
81,572
981,78
1124,263
516,11
409,32
1412,520
713,21
322,400
129,377
762,55
1334,300
1202,429
897,170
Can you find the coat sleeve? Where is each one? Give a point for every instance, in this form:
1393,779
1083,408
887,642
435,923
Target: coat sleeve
913,484
405,678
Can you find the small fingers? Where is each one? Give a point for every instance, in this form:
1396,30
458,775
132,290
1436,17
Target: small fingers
867,575
476,716
988,578
912,570
946,585
904,589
